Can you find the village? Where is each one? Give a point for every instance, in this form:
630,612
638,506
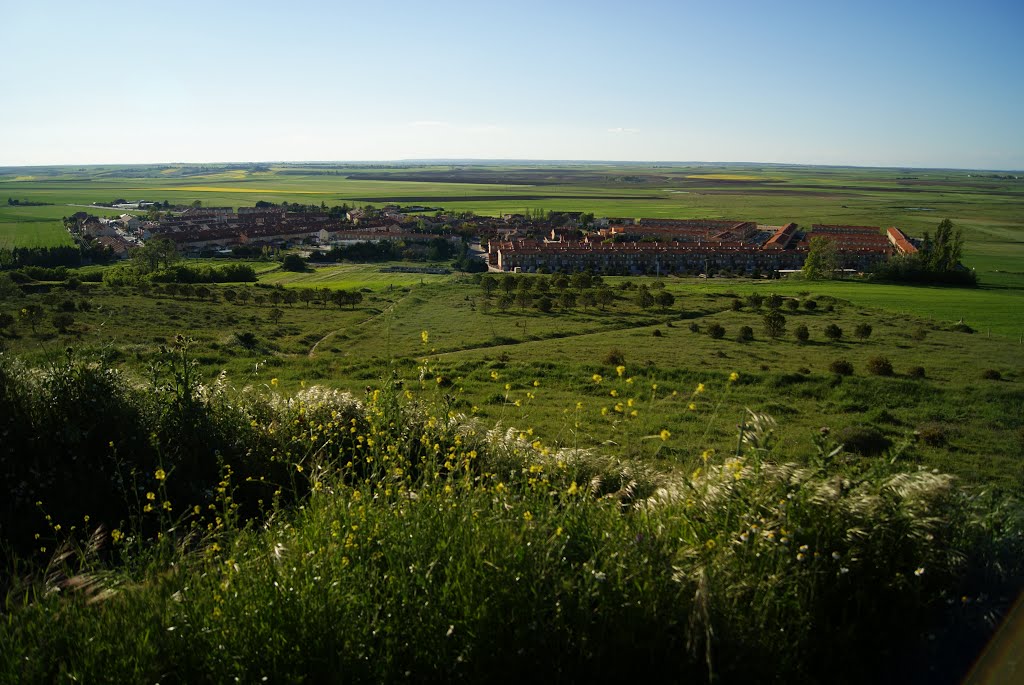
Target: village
556,241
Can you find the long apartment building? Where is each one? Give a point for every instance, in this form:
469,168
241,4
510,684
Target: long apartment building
698,246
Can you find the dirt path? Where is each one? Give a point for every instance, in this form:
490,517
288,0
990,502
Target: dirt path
365,321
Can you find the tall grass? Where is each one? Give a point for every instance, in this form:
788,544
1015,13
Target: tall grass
323,538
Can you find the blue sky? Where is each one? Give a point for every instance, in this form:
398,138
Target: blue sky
935,84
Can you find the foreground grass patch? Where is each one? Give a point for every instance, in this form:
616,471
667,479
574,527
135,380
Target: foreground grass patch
319,537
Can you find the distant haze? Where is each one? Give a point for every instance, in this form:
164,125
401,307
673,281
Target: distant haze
910,84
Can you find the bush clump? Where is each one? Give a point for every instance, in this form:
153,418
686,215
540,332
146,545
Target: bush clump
615,357
916,372
992,375
841,367
880,366
746,334
867,441
716,331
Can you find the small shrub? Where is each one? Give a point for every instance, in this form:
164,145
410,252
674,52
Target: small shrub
736,305
916,372
933,434
880,366
866,441
746,334
801,333
792,305
841,367
919,333
695,327
863,331
716,331
962,328
833,332
991,375
656,333
810,305
615,357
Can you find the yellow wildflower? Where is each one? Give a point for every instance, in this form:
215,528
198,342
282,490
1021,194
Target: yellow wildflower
425,337
620,370
597,378
273,382
733,377
160,475
150,496
527,516
699,390
665,434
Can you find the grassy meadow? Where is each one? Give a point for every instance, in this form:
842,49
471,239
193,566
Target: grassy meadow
440,484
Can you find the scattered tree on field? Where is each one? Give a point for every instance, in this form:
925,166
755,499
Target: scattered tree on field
833,332
665,299
862,331
774,324
488,284
746,334
801,333
716,331
293,262
644,298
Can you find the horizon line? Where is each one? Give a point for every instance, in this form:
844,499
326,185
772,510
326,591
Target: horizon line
412,161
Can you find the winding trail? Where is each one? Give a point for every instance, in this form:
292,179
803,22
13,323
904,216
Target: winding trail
312,350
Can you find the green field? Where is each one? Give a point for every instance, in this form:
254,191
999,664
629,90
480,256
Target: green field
470,336
612,489
985,205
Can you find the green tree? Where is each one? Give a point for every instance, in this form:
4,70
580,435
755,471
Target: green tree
833,332
665,299
644,298
774,324
862,331
155,254
801,333
293,262
488,284
822,259
944,252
